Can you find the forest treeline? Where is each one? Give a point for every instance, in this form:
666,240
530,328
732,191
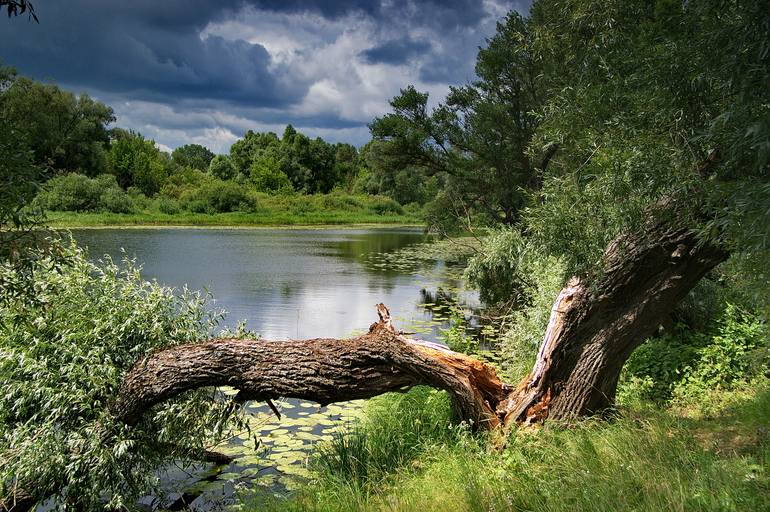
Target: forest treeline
84,164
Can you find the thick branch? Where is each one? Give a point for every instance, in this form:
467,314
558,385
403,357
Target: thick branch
320,370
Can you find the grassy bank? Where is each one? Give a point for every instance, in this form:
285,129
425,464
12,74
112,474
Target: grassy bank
406,456
73,219
264,210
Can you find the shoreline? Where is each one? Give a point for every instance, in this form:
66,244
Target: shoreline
238,226
57,220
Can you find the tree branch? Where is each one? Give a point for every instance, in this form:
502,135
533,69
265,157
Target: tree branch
321,370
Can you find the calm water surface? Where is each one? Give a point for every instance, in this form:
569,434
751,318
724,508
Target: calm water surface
286,283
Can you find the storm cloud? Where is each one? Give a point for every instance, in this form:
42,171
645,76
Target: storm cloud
184,71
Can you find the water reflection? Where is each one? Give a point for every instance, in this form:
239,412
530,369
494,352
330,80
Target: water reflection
284,283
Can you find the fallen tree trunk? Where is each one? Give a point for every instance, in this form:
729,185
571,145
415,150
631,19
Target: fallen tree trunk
320,370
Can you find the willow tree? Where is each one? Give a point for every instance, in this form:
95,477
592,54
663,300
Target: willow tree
661,113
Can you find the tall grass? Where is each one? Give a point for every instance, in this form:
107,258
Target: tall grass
406,456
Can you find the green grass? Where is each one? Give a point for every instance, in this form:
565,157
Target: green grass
406,456
72,219
292,210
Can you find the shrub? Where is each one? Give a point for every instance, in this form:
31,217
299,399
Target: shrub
384,205
224,196
169,206
65,346
688,363
71,193
116,201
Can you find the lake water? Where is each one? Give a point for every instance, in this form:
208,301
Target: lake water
286,284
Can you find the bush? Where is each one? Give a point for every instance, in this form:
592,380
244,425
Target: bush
64,348
688,363
169,206
71,193
384,205
116,201
78,193
223,196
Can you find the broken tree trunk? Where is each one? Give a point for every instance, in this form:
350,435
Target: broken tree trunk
320,370
594,327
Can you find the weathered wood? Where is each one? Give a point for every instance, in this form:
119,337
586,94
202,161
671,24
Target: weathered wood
321,370
594,327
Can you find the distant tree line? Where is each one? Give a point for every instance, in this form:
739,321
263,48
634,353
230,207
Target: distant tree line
81,163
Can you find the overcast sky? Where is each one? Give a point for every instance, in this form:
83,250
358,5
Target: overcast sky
196,71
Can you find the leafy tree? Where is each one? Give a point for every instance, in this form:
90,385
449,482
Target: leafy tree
192,155
244,151
20,180
136,161
222,167
478,140
268,177
65,349
64,131
345,162
406,185
660,119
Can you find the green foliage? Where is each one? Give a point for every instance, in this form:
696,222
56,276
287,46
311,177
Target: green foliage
169,206
192,155
648,99
310,165
385,205
136,162
222,196
477,140
222,167
115,200
686,364
78,193
64,348
658,461
65,131
20,179
498,270
396,429
267,176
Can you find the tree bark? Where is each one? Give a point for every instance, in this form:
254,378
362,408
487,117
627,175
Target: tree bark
594,327
320,370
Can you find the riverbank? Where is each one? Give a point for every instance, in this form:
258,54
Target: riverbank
231,219
406,456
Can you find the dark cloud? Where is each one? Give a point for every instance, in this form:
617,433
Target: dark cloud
396,51
121,51
159,52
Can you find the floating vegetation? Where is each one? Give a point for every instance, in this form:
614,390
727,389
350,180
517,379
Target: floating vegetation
273,454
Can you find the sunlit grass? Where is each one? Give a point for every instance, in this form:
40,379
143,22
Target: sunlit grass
294,210
406,456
